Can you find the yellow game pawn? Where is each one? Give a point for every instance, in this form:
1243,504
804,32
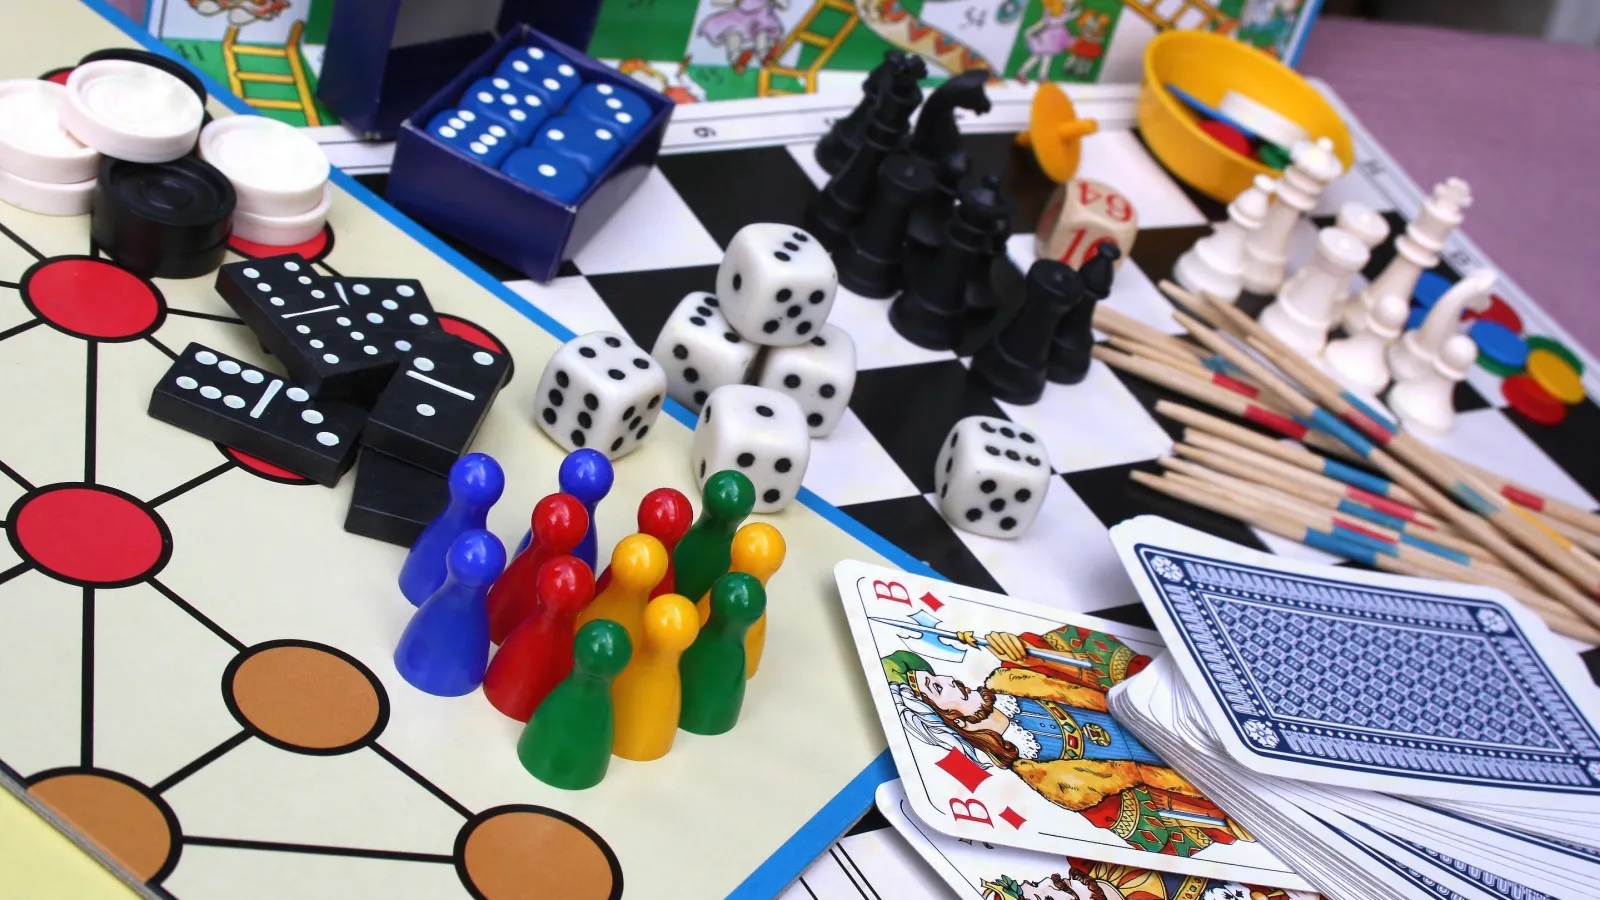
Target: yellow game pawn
758,549
648,695
638,564
1055,132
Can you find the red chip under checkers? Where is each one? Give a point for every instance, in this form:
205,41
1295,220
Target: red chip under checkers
1499,311
1527,397
1227,135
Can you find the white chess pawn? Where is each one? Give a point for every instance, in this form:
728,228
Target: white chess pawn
1414,353
1360,362
1214,264
1368,225
1266,252
1426,404
1416,251
1304,311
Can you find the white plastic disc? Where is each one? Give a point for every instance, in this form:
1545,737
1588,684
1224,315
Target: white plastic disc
275,169
283,231
45,198
1263,120
131,111
32,142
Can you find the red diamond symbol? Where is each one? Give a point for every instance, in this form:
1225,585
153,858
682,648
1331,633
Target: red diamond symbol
964,770
932,602
1012,817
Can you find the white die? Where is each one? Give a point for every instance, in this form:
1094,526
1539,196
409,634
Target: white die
819,375
776,284
600,390
758,432
700,352
991,477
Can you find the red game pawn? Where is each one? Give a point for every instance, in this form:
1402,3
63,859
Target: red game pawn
559,523
537,655
664,514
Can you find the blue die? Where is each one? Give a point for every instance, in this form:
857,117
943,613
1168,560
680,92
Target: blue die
584,141
622,110
472,135
517,108
550,173
542,71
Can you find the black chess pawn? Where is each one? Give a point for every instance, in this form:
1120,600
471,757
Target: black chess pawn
982,302
1074,336
844,199
870,262
836,147
926,228
1012,366
937,135
930,311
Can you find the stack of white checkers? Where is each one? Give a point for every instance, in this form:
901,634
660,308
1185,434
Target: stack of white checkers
280,177
43,168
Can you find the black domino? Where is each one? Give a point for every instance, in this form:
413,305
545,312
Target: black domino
396,308
241,406
436,401
394,500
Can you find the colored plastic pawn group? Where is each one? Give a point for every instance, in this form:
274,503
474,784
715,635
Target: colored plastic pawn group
539,123
596,670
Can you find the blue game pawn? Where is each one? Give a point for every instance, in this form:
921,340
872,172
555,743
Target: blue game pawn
587,475
445,648
476,482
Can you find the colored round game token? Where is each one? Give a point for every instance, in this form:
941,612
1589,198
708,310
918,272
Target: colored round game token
132,111
1498,311
1227,135
163,220
1527,397
1272,156
1415,317
1555,376
33,145
1261,120
1540,342
154,60
276,170
1500,346
45,198
282,231
1430,287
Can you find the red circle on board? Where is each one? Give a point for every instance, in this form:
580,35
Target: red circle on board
313,250
469,332
1527,397
1227,135
263,468
92,298
58,76
89,535
1499,311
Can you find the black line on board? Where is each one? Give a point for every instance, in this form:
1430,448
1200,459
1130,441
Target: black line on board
14,571
162,347
90,404
237,844
10,284
210,317
200,762
191,484
809,892
15,330
86,713
416,776
21,243
331,270
196,614
16,476
850,875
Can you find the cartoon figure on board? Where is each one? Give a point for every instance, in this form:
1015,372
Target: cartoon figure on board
744,29
680,89
1088,880
1047,38
1090,44
1269,24
241,12
1048,723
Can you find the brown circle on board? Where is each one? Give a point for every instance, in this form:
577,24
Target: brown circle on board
305,697
123,819
534,853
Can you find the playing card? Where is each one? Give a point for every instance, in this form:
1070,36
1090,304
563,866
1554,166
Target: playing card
995,712
1366,680
994,872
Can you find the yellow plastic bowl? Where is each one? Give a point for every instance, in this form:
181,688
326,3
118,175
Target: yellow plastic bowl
1208,65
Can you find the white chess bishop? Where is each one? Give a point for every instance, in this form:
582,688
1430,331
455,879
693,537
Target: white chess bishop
1306,308
1360,362
1426,404
1416,251
1214,265
1416,351
1312,166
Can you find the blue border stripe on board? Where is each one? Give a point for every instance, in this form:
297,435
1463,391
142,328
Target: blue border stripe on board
834,819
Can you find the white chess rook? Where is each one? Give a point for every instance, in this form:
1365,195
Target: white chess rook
1214,265
1416,251
1426,404
1360,362
1416,351
1266,252
1305,309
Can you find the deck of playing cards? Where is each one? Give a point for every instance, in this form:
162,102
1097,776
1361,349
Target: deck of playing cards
1390,737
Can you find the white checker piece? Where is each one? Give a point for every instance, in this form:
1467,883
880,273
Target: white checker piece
44,198
131,111
282,231
33,144
276,170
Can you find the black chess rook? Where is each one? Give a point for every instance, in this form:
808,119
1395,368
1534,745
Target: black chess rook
1012,365
870,262
1070,351
930,312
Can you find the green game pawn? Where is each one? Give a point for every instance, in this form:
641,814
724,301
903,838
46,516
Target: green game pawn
702,556
713,668
567,743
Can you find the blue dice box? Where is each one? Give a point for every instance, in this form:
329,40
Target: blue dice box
495,213
385,58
